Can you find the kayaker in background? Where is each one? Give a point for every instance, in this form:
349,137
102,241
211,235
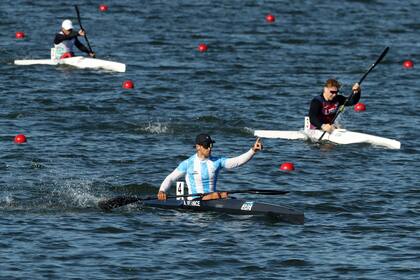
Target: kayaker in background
324,107
65,39
201,169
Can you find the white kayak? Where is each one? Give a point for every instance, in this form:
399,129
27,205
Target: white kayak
338,136
79,62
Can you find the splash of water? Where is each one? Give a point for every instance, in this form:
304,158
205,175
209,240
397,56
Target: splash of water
156,128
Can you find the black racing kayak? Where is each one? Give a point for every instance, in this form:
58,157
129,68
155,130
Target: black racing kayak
233,206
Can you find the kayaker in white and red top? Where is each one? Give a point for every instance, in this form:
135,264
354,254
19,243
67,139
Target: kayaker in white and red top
66,39
324,107
201,169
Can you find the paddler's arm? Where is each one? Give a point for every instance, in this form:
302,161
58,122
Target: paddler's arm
83,48
166,184
244,158
357,90
314,112
61,37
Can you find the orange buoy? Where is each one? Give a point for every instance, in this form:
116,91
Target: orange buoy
20,35
270,18
360,107
128,84
103,8
20,138
202,48
408,64
287,166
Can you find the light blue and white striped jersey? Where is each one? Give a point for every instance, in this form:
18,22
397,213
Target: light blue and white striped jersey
201,175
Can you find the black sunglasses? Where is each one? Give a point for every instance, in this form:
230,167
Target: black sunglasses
207,145
333,91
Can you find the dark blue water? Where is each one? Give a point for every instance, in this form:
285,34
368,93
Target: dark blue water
89,139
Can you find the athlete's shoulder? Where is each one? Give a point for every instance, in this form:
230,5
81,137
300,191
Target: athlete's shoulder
218,162
319,98
216,158
186,162
59,34
191,159
317,102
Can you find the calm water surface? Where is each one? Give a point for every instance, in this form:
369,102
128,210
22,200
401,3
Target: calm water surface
89,139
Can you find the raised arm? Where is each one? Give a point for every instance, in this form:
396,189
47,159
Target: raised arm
244,158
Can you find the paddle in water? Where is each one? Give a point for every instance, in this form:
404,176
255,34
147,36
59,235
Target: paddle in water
81,27
119,201
341,109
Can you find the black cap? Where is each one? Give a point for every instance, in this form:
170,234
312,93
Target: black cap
204,139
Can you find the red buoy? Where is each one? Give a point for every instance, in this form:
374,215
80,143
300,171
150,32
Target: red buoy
287,166
408,64
20,138
128,84
360,107
270,18
20,35
202,48
103,8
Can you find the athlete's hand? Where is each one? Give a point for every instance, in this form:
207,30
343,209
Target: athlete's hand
258,146
215,195
82,32
161,195
328,127
92,54
223,194
356,88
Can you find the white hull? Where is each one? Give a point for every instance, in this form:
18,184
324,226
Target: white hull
35,61
338,136
79,62
282,134
344,137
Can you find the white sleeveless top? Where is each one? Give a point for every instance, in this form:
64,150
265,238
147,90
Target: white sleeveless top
63,47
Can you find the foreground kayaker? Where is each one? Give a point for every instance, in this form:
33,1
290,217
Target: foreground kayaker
324,107
201,169
66,39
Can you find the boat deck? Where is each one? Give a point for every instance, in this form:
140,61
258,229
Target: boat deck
233,206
